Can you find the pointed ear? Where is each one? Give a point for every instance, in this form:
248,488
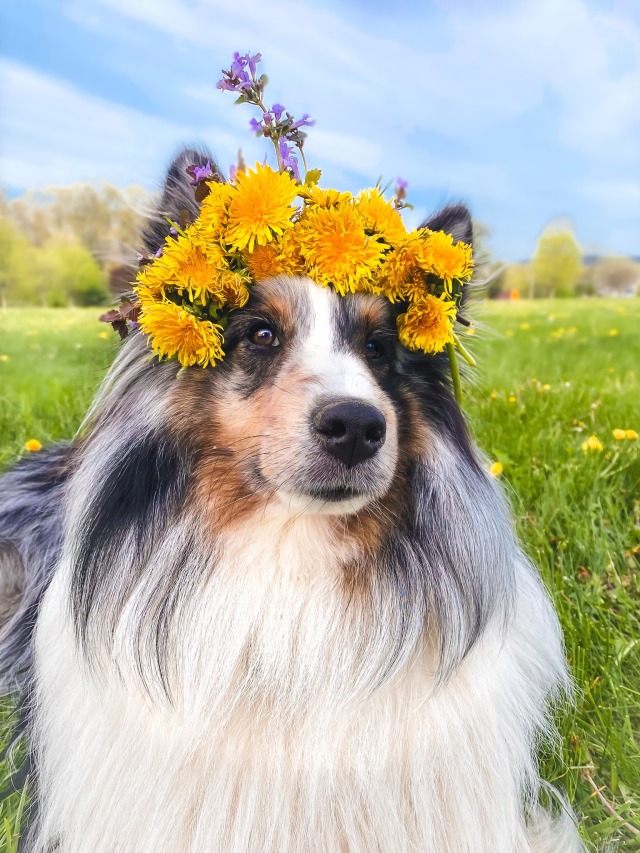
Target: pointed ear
178,197
455,219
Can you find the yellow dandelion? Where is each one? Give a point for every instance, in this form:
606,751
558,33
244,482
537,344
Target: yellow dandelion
263,262
428,324
592,445
512,398
471,331
33,445
104,336
174,331
214,209
444,258
4,357
496,469
260,208
318,197
525,326
381,216
336,249
494,395
186,263
230,288
613,333
401,275
619,434
631,435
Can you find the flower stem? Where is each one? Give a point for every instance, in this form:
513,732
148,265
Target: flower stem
464,352
455,373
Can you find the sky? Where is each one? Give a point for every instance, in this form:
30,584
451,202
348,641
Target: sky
526,110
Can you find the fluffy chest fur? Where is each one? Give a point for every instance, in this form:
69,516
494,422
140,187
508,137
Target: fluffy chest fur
288,731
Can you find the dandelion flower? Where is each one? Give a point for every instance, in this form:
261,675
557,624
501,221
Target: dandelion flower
104,336
512,398
631,435
613,333
261,207
619,434
4,357
315,196
172,330
494,395
381,216
336,249
496,469
264,262
33,445
592,444
444,258
428,324
402,277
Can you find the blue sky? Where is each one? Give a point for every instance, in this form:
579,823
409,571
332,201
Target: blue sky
528,110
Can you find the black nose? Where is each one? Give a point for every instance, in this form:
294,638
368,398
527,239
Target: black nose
350,431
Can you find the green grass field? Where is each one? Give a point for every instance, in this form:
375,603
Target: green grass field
551,375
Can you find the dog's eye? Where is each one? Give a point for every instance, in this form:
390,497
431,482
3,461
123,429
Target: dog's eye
373,350
263,336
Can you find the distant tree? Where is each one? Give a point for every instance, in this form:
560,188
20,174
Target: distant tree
616,276
557,263
14,266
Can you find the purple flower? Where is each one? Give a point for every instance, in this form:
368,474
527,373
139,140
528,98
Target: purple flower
277,110
173,232
401,184
305,121
233,171
255,125
288,158
253,62
266,118
200,173
159,252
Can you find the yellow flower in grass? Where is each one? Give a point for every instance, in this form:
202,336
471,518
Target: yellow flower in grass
381,216
33,445
592,445
174,331
619,434
632,435
428,324
260,208
496,469
336,249
444,258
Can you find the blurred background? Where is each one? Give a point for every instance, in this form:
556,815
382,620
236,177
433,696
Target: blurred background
528,110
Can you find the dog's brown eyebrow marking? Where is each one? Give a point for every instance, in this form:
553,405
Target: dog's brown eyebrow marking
286,301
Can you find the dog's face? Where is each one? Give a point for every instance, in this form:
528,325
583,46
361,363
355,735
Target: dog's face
305,402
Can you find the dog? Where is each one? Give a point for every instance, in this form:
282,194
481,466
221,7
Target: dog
278,605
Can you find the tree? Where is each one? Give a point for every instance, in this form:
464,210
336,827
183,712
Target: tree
556,264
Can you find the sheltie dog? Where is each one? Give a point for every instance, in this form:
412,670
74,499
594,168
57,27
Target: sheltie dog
277,605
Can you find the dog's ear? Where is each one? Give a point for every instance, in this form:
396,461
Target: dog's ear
454,219
178,201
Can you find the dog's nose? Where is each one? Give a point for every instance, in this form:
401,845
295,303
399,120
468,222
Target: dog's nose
350,431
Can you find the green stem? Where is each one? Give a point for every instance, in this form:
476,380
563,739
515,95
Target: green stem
455,373
464,352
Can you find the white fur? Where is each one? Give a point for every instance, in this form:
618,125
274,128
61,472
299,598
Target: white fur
275,741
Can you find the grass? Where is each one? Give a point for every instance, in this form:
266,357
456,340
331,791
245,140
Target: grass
552,374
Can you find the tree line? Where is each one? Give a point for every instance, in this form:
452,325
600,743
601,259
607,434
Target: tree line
60,245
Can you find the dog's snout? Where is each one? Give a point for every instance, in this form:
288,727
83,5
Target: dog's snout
350,431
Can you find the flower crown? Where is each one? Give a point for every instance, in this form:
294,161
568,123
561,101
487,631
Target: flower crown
249,230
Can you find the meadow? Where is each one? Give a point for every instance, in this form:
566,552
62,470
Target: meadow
555,380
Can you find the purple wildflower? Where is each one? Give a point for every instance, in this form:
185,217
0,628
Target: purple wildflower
159,252
288,158
305,121
200,173
401,184
253,61
277,110
255,125
233,171
173,232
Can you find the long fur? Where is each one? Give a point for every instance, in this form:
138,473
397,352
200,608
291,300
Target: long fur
228,657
